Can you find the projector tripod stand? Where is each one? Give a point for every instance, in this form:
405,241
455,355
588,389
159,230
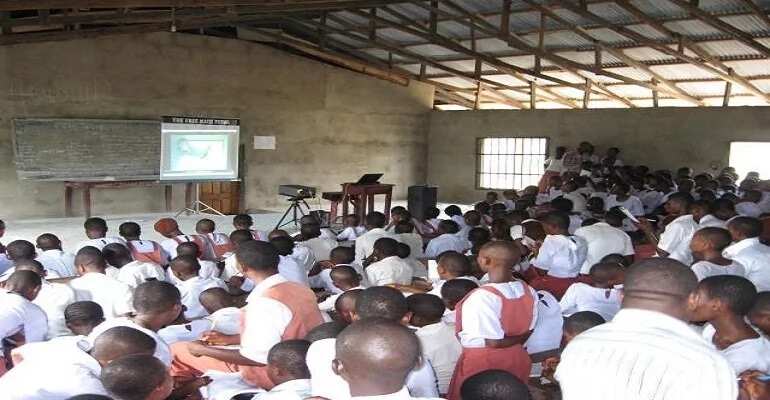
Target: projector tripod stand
197,207
295,208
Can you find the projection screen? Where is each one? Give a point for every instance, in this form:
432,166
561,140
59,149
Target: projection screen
199,149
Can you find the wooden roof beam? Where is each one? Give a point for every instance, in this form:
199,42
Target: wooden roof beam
265,5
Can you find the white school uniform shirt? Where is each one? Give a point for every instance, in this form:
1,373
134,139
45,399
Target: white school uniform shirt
632,204
297,389
114,296
162,350
328,304
403,394
191,290
135,273
69,373
389,270
58,262
208,269
365,242
481,313
651,199
266,320
642,355
17,314
562,256
436,290
676,238
414,241
704,269
440,346
226,320
578,201
99,243
746,355
43,350
290,269
169,246
755,258
320,246
53,299
603,239
583,297
445,242
303,256
748,209
351,233
575,222
710,221
549,325
5,263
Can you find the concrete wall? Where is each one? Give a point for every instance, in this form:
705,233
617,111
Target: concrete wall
660,138
331,125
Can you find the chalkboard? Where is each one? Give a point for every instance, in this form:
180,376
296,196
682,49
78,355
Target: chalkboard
86,149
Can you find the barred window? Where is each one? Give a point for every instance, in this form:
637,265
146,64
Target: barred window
510,163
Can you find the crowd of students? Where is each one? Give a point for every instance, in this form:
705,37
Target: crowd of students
605,282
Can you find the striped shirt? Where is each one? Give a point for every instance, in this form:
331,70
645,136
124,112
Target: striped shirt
644,355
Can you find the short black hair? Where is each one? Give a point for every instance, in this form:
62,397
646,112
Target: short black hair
426,306
737,292
90,257
283,244
403,250
455,263
131,229
205,225
155,296
243,220
376,219
432,212
562,204
95,224
449,226
750,227
404,227
387,246
453,210
257,255
558,219
381,302
83,312
582,321
289,356
455,290
133,377
188,249
343,254
20,250
327,330
494,384
684,199
239,236
719,238
47,241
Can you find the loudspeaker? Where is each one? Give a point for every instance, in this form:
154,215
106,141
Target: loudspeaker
420,199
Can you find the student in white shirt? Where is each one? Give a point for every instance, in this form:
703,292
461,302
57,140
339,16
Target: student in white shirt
707,246
137,376
701,213
601,296
560,257
73,372
387,267
405,233
749,251
131,272
569,190
288,266
53,258
547,333
230,270
375,224
245,222
142,249
185,268
287,368
344,278
674,241
96,231
169,229
21,321
452,292
321,247
219,242
17,251
648,343
114,296
446,240
209,269
223,317
565,205
748,205
620,197
451,265
53,298
604,238
353,229
723,301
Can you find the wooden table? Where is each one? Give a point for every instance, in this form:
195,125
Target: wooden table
86,186
362,198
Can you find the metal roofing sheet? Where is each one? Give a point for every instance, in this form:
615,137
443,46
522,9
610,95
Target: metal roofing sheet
507,80
457,82
726,48
693,28
681,71
750,67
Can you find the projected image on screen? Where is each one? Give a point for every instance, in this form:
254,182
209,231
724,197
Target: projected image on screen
199,151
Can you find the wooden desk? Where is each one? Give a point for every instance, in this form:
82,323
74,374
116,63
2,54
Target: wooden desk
86,186
362,198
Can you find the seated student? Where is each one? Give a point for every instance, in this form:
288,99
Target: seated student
494,384
353,228
321,247
52,298
114,296
143,250
375,229
131,272
570,193
419,269
438,342
707,246
231,269
137,377
620,197
594,208
344,278
398,214
446,240
552,191
574,325
472,220
485,210
223,317
157,304
560,257
451,265
759,315
75,371
53,258
405,233
277,310
191,285
340,255
375,357
96,231
323,381
18,251
675,239
245,222
500,229
601,296
452,292
455,214
565,206
299,253
748,205
747,250
701,213
345,306
431,216
509,199
477,237
288,266
168,228
548,325
387,268
209,269
723,301
604,238
218,241
287,368
21,321
494,321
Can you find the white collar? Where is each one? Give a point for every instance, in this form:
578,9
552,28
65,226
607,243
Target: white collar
737,247
264,285
636,317
292,386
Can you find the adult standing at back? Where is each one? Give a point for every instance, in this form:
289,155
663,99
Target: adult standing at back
647,351
375,229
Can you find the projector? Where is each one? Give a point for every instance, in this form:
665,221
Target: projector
298,191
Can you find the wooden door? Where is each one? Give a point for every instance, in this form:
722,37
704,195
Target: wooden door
222,196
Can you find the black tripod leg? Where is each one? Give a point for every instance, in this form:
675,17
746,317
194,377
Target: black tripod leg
280,222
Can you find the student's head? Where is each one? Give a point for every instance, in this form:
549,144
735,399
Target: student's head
20,250
685,185
116,254
121,341
426,309
452,210
510,194
452,264
752,196
31,265
595,204
286,361
398,214
95,227
404,227
744,228
699,209
679,203
709,242
130,230
759,315
242,221
385,247
189,249
607,275
374,220
374,356
257,259
137,377
284,245
498,257
613,152
81,317
24,283
455,290
555,223
403,250
237,237
185,267
491,197
345,305
342,255
472,218
478,237
724,209
167,227
578,323
494,384
205,226
90,259
501,229
382,302
48,241
722,296
432,212
215,299
614,218
617,259
351,220
345,277
310,231
158,300
327,330
620,189
448,226
562,204
659,284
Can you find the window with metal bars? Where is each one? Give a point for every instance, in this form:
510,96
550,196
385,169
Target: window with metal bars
510,163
